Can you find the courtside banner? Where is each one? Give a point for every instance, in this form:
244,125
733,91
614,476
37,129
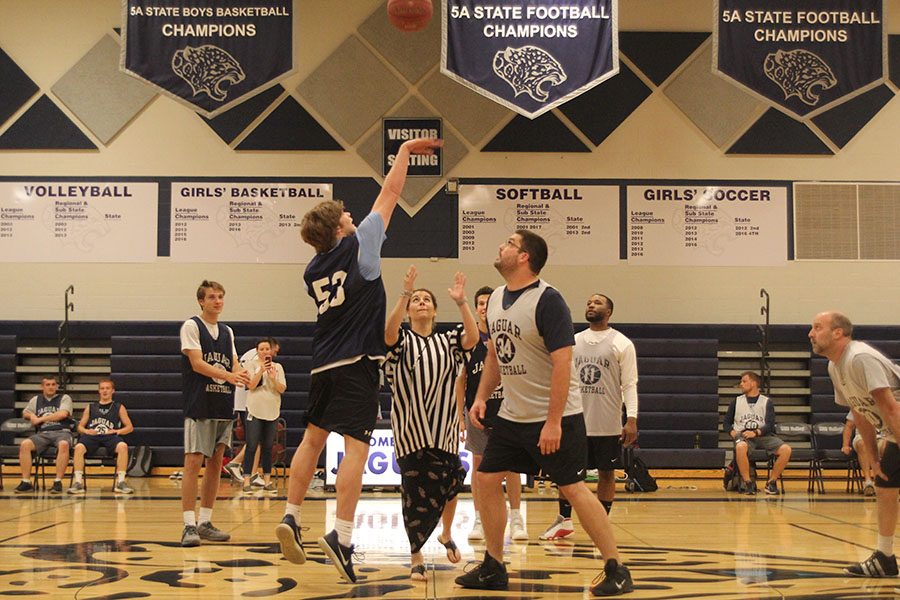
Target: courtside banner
530,55
208,54
803,57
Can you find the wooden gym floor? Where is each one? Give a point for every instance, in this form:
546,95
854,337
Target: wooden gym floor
688,540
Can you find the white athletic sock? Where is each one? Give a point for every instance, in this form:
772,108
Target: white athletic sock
26,480
293,510
513,512
344,530
121,476
886,544
205,515
189,518
78,475
477,517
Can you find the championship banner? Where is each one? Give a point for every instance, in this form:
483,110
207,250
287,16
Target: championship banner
208,54
802,57
530,55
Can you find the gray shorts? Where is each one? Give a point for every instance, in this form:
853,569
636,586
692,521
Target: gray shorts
769,443
44,439
203,435
476,439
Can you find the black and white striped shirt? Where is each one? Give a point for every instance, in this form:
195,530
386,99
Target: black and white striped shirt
421,372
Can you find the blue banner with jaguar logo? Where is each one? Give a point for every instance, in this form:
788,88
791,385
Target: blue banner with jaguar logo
530,55
208,54
804,57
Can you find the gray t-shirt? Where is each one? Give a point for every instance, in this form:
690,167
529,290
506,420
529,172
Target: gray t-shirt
65,403
860,370
524,335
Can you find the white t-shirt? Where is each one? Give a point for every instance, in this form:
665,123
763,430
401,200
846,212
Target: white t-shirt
264,401
190,335
860,370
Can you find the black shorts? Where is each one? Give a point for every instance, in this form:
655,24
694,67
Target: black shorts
93,442
514,447
345,399
890,466
604,452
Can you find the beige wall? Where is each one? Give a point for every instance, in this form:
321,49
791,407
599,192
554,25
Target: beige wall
45,37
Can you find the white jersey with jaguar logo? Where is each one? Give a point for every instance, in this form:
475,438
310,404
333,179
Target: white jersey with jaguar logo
860,370
524,361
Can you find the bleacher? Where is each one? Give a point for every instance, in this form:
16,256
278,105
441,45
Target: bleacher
681,382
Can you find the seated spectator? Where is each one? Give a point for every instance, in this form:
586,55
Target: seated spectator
49,412
103,423
865,461
750,420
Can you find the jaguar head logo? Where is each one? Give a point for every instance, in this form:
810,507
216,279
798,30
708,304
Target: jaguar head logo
207,69
528,70
799,73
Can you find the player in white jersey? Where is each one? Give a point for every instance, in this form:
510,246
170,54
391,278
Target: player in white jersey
606,364
540,426
869,383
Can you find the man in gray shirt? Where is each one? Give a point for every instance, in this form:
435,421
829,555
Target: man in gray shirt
869,383
49,413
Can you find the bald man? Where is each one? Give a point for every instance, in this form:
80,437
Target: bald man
869,383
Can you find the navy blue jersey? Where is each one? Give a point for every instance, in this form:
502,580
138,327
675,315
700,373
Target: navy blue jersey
474,368
351,309
104,417
204,397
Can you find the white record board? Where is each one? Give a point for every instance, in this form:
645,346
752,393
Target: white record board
78,221
580,223
242,222
707,225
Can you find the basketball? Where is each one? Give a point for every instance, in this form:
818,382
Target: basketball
409,15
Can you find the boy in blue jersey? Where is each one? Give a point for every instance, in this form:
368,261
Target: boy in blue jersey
344,280
103,423
210,371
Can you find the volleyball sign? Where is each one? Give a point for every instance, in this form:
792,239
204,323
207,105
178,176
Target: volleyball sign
208,54
530,55
803,57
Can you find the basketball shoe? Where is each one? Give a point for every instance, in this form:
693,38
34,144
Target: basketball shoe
877,565
560,529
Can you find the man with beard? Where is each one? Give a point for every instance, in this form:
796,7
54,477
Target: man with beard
540,426
606,364
869,383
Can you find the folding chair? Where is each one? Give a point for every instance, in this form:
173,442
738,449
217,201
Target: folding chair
827,441
11,429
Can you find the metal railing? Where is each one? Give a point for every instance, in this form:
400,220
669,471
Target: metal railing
62,341
765,370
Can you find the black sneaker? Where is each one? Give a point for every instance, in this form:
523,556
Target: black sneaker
341,556
24,486
615,579
772,488
57,487
748,488
877,565
489,575
288,534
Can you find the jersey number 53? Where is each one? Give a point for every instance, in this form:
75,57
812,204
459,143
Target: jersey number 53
329,293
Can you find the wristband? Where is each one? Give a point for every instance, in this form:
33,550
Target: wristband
461,302
406,293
